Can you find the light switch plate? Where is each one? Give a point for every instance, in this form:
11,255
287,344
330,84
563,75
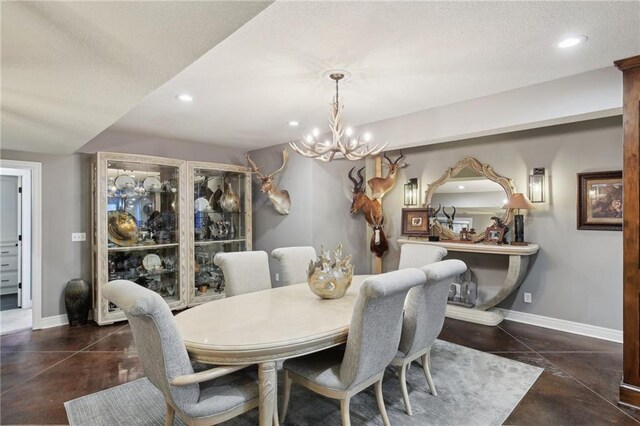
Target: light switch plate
277,276
78,236
527,298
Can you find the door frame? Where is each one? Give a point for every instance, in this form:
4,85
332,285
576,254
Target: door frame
31,256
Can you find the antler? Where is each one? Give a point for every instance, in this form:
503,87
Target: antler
384,154
453,216
355,183
254,168
399,158
445,213
360,176
285,157
376,224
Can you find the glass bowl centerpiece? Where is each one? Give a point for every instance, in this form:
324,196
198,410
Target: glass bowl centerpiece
330,275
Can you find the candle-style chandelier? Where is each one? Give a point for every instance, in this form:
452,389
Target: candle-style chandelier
352,147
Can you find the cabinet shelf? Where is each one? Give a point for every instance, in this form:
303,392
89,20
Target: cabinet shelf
143,247
209,242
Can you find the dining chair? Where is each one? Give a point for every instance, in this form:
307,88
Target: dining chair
195,396
294,262
424,312
244,271
418,255
372,343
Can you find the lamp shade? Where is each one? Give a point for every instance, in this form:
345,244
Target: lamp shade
519,201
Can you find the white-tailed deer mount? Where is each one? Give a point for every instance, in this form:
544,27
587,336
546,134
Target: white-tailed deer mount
380,186
378,244
372,209
279,198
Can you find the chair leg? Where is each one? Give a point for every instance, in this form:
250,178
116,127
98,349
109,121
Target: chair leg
168,418
380,399
285,396
344,410
402,377
426,366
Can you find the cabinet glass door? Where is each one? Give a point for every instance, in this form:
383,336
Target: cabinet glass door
143,231
219,225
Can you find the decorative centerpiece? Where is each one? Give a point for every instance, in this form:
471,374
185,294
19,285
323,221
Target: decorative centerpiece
329,276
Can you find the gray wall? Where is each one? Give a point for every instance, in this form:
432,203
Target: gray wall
577,275
66,202
320,202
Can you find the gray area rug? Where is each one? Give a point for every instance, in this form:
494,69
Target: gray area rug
473,388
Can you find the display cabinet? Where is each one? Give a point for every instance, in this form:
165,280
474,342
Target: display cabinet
219,211
139,229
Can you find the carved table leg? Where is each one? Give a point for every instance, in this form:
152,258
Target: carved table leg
267,382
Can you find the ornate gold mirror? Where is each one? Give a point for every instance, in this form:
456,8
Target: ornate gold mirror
476,192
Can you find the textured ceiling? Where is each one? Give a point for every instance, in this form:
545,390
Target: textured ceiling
404,57
71,69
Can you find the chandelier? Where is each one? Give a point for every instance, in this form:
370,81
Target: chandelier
352,147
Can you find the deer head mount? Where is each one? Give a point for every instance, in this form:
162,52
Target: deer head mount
372,209
380,186
379,244
279,198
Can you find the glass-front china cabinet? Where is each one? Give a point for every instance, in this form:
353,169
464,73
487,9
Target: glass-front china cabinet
159,222
219,210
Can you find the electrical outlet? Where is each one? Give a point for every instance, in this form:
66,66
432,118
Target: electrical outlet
78,236
277,276
527,298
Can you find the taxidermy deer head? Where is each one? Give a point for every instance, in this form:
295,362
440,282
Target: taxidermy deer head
380,186
371,208
451,218
280,199
378,244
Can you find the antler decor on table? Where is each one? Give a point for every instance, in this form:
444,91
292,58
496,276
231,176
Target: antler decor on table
279,198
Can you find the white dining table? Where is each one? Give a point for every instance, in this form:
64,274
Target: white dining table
265,326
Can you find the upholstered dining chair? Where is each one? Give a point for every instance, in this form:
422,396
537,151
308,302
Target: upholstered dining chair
294,262
418,255
423,319
195,396
244,271
372,343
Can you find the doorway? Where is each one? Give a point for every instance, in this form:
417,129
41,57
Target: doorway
19,245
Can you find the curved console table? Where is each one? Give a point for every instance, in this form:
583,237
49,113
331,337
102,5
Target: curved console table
484,312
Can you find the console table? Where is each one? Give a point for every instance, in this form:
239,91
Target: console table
489,294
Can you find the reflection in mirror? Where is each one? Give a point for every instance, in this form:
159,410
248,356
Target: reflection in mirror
476,191
475,198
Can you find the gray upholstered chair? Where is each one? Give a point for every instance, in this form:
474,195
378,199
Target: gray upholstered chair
423,318
294,262
373,340
195,396
244,271
418,255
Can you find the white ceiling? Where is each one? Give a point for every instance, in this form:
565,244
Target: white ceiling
404,57
71,69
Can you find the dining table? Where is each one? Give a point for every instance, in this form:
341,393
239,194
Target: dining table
265,326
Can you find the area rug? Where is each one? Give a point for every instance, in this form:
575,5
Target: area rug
473,388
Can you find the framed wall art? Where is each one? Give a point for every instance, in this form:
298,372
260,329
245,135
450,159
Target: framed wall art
600,201
494,234
415,222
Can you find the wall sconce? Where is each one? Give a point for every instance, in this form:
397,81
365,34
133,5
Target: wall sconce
411,192
536,185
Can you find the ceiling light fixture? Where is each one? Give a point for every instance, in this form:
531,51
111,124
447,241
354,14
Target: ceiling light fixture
185,97
460,186
352,147
293,123
572,41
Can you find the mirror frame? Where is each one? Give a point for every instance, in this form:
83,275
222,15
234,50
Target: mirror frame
485,170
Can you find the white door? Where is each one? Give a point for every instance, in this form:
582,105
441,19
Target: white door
10,242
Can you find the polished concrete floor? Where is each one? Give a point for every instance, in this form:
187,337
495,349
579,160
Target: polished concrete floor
40,370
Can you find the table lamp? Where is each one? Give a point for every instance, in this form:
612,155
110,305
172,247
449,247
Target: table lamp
519,201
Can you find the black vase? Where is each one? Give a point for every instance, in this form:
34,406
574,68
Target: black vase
77,300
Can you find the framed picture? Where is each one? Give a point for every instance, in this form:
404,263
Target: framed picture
600,201
415,222
494,235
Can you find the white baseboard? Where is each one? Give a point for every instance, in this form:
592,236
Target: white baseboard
564,325
54,321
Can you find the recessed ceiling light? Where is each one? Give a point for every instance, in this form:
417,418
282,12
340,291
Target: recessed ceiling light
185,97
293,123
572,41
460,186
